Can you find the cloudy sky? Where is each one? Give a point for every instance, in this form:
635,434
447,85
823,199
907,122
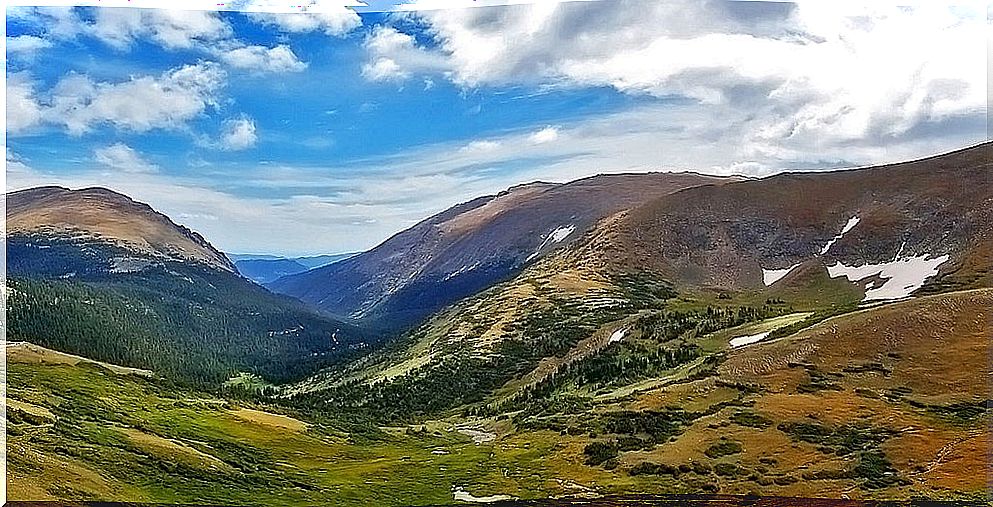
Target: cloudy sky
330,130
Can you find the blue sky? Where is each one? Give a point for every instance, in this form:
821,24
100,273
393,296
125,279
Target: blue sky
329,131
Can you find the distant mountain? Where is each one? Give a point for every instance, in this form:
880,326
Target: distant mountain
109,217
263,269
472,246
95,273
316,261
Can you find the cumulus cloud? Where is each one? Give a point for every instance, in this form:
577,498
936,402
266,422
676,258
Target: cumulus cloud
238,134
262,59
332,18
79,104
820,74
23,110
384,69
57,22
23,45
386,46
203,31
123,158
545,135
172,29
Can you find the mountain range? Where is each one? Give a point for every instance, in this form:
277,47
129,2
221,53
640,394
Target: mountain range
804,334
96,273
263,269
473,245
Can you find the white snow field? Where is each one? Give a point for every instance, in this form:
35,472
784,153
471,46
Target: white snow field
555,236
741,341
900,277
852,222
771,276
617,335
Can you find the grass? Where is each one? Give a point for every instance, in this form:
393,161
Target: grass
97,434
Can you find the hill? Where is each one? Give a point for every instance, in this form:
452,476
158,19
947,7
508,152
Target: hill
471,246
110,217
900,220
94,273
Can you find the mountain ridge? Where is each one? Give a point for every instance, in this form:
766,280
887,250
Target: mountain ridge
106,214
96,273
472,245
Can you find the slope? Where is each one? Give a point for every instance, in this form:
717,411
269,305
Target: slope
472,246
123,284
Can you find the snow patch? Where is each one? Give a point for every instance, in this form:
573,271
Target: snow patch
462,270
852,222
555,236
461,495
900,277
741,341
617,336
771,276
561,233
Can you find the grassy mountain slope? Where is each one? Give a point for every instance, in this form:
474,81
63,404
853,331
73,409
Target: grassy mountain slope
837,408
122,294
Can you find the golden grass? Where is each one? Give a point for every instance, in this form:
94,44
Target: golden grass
25,352
174,449
269,419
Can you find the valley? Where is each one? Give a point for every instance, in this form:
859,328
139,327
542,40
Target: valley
807,334
803,416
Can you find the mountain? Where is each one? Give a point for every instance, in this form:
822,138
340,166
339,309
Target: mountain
809,335
95,273
263,269
472,246
645,289
316,261
900,219
111,218
803,334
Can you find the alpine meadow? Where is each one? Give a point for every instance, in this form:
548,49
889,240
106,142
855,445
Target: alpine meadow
549,253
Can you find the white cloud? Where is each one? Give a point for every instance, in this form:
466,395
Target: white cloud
172,29
57,22
383,69
16,165
120,28
821,74
259,58
545,135
123,158
139,104
238,134
23,45
23,110
480,146
387,46
334,19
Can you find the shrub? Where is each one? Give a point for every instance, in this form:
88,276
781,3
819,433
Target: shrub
598,452
723,448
